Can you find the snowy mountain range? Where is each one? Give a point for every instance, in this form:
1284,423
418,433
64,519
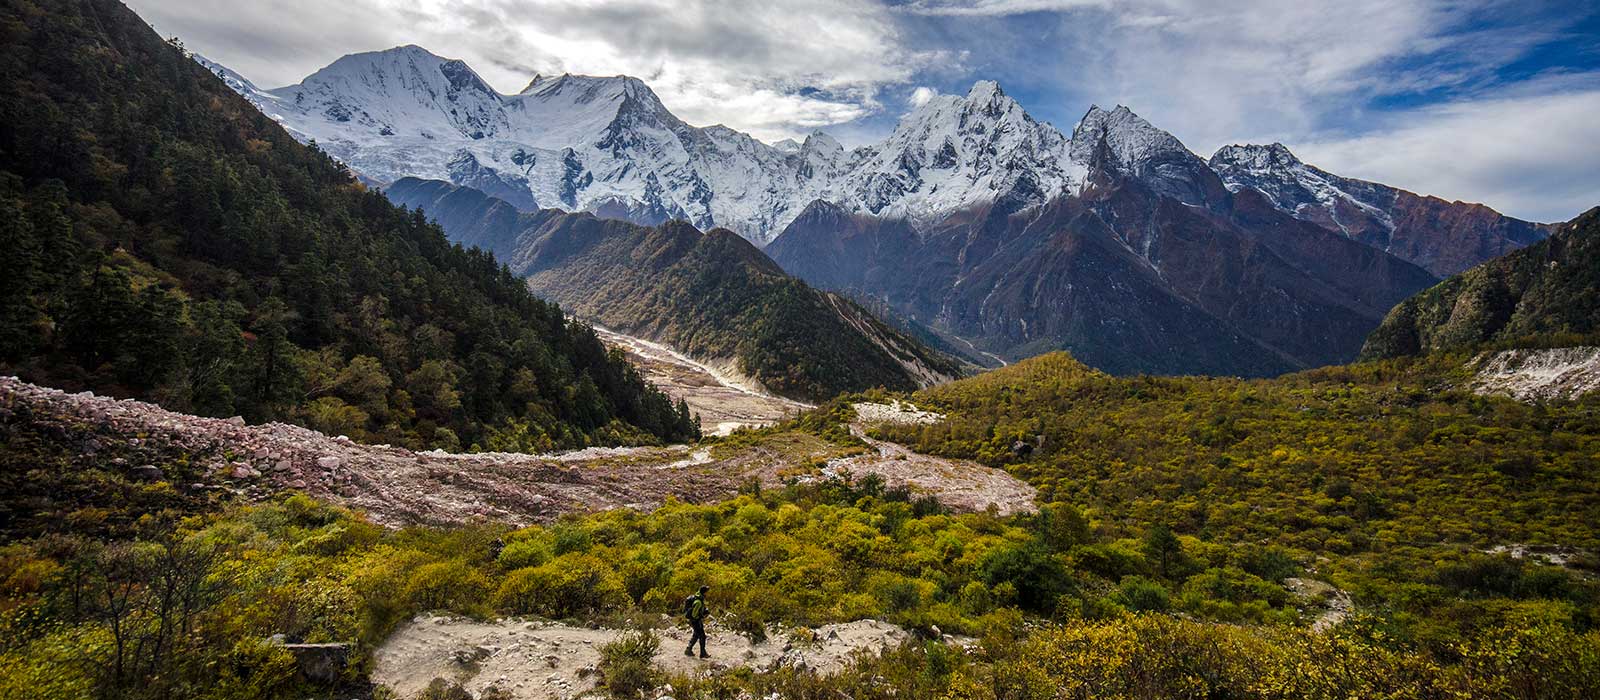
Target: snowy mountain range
1442,237
608,145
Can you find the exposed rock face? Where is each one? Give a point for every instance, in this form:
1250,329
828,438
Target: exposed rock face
1127,277
1443,237
1540,375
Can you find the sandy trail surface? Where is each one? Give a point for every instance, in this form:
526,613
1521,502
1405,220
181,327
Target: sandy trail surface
546,660
959,484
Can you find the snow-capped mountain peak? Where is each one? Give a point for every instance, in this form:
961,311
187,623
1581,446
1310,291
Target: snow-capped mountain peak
787,146
1254,157
404,91
984,91
955,151
1133,141
608,144
1304,190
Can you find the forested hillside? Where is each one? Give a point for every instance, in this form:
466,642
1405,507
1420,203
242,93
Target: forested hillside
1547,293
712,295
166,240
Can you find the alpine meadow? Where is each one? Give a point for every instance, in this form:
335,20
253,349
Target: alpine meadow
811,363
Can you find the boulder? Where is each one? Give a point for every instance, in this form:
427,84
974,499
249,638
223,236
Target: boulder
147,472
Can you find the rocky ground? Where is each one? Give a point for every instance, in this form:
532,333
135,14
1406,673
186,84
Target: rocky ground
1330,605
545,660
397,486
723,401
1539,375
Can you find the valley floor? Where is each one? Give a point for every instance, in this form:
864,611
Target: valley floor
722,401
398,487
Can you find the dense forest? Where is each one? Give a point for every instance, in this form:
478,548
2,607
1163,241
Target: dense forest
1547,293
712,295
166,240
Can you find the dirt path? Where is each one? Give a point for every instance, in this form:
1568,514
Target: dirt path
722,401
960,484
543,660
985,353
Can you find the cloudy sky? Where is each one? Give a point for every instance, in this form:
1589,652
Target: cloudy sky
1496,101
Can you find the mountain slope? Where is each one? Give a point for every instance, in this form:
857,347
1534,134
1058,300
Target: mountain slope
608,145
167,241
1265,273
1443,237
712,295
1546,293
1153,266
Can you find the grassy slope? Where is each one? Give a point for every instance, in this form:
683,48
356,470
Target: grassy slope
1387,473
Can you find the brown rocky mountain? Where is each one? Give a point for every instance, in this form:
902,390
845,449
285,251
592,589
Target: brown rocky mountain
1443,237
711,295
1153,266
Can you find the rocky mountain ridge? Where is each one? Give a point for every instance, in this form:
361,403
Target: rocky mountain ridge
713,295
608,145
1155,269
1545,295
1443,237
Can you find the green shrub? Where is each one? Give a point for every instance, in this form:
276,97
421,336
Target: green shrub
450,585
1141,594
626,664
523,553
569,585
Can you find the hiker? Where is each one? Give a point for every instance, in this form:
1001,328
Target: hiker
694,608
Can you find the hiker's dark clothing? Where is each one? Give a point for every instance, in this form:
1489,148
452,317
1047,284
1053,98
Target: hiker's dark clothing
699,627
695,610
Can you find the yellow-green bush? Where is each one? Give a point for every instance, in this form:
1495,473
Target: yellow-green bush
569,585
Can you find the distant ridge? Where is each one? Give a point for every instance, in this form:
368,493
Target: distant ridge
712,295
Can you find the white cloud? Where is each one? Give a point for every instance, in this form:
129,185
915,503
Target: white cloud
1212,72
774,69
995,8
1533,156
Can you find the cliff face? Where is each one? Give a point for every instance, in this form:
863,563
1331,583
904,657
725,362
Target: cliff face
1125,277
